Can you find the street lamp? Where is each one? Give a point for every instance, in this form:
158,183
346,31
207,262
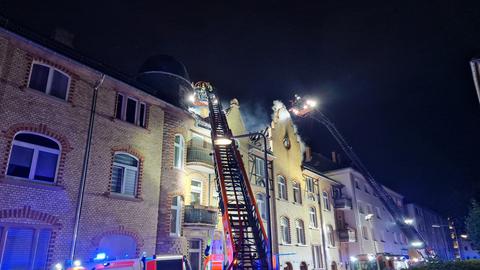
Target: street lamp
228,141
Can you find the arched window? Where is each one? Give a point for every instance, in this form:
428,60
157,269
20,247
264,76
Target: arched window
326,200
285,230
34,157
330,236
175,211
262,205
300,229
178,152
297,194
118,246
282,187
313,217
49,80
125,174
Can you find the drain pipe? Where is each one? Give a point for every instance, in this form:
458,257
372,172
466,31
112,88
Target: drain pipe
86,158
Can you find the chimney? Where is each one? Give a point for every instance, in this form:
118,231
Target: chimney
308,153
63,36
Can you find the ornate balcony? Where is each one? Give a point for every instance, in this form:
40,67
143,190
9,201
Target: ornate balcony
343,203
200,215
347,235
198,154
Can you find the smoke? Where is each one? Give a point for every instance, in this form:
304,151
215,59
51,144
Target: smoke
254,115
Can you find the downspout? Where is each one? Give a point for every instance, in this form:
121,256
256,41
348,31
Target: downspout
473,66
324,245
86,158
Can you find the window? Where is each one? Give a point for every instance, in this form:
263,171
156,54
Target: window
216,199
330,236
34,157
49,80
310,184
360,208
178,152
300,229
175,211
196,192
382,236
125,174
395,238
24,247
259,171
131,110
282,188
377,212
194,251
317,256
366,189
313,217
297,195
261,205
326,201
374,237
285,230
357,185
369,209
365,232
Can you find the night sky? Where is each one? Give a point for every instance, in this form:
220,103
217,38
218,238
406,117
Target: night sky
394,78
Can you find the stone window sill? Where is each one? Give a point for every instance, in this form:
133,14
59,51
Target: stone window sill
122,197
17,181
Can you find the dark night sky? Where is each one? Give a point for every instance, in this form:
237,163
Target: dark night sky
395,78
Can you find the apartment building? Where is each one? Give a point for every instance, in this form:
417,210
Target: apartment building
46,98
434,230
372,225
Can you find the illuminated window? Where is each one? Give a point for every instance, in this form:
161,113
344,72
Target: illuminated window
259,171
49,80
261,205
313,217
297,194
175,211
196,192
330,236
300,229
282,187
20,244
124,174
33,157
131,110
178,152
326,200
285,230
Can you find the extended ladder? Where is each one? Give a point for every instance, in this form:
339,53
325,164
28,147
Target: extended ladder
245,236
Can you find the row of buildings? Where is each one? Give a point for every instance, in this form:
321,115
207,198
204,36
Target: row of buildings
93,161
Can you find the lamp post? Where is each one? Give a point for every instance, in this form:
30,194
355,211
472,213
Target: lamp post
227,141
369,219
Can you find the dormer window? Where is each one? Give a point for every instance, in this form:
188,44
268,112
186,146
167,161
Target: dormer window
49,80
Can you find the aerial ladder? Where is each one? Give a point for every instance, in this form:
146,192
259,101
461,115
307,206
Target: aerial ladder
245,237
305,107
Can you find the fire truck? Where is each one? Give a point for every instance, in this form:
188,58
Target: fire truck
173,262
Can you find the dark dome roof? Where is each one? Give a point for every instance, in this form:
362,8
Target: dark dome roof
164,64
166,78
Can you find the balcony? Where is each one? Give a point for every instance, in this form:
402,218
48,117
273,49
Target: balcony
200,215
343,203
198,154
347,235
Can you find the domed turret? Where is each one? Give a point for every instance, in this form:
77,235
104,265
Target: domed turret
165,78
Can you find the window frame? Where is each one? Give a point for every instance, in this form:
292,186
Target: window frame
300,232
282,191
48,87
195,189
286,238
312,213
178,210
326,201
297,192
181,146
330,236
260,171
310,185
36,149
138,105
196,250
262,207
124,166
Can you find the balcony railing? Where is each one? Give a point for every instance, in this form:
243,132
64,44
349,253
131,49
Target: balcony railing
199,153
347,235
343,203
198,215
